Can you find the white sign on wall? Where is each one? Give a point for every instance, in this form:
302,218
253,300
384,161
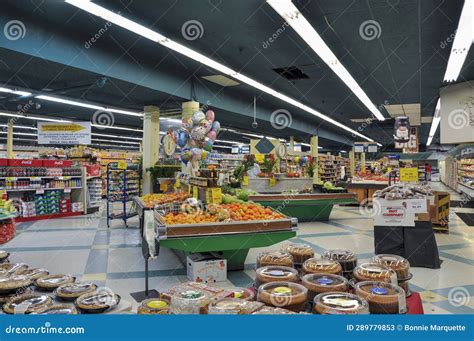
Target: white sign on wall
66,133
457,113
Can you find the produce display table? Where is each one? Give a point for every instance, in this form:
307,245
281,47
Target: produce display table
282,184
365,190
305,207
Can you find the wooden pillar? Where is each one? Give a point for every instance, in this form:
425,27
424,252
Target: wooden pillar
10,154
314,153
151,143
362,162
292,143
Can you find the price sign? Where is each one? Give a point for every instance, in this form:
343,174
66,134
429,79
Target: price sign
10,178
408,174
40,191
35,178
195,192
272,181
245,181
122,164
216,195
67,190
259,157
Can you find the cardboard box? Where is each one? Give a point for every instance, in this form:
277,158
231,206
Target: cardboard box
206,267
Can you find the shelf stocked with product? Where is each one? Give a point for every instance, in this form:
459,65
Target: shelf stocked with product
465,175
43,189
330,168
106,157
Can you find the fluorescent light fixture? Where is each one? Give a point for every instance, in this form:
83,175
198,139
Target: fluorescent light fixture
229,141
343,151
112,146
379,144
295,19
116,141
462,42
23,134
200,58
308,145
35,118
117,136
100,126
15,92
19,127
434,123
88,105
218,146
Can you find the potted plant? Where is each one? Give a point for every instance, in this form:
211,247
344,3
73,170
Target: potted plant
155,173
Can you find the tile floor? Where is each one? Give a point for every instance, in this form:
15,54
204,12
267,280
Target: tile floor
112,257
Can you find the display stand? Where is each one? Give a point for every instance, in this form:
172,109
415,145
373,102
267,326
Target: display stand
365,190
122,189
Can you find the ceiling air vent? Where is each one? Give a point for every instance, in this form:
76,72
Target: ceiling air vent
291,73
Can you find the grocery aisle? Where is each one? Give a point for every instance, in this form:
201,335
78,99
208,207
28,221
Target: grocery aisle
112,257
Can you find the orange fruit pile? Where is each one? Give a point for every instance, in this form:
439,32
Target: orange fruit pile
150,200
250,211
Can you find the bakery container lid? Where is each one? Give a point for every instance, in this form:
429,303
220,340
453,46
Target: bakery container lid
321,264
368,269
275,256
340,254
295,247
324,280
379,288
341,303
283,289
277,271
391,260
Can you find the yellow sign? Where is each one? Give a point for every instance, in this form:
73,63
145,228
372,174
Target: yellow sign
122,164
272,181
408,174
259,157
245,181
163,187
216,194
389,169
62,127
195,192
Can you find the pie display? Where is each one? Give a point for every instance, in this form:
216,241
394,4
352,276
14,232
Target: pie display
383,298
287,295
374,272
26,303
299,251
153,306
4,256
241,293
275,274
34,273
189,301
319,283
233,306
323,265
13,268
346,258
336,303
11,283
400,265
51,282
277,258
71,291
57,309
97,302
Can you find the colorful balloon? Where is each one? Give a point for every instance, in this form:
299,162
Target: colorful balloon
210,115
212,135
198,133
182,138
204,154
208,145
187,123
196,154
206,124
216,126
197,117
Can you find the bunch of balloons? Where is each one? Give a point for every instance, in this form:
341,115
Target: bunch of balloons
197,135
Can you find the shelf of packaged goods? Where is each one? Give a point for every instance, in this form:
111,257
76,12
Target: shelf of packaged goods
47,216
64,177
466,176
36,189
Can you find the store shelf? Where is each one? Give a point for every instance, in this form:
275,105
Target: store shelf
47,216
36,189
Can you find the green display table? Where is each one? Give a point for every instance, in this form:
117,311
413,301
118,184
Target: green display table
233,247
305,207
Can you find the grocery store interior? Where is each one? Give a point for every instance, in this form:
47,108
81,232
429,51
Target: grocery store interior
237,157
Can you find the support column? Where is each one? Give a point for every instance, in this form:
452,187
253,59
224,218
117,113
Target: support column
362,162
352,161
314,154
151,143
292,144
10,154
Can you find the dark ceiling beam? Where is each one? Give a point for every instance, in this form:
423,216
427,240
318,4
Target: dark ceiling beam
45,43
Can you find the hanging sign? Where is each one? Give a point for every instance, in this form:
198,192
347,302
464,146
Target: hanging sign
411,146
64,133
122,164
401,129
